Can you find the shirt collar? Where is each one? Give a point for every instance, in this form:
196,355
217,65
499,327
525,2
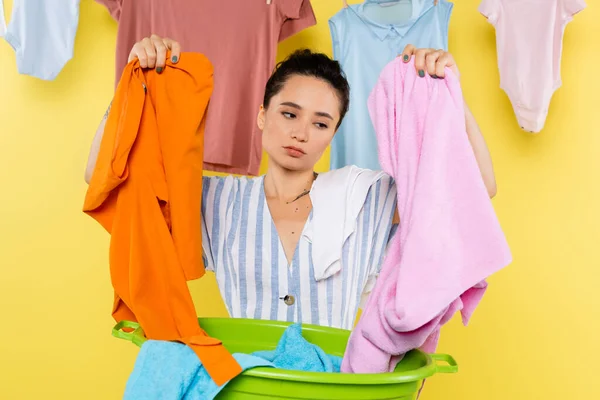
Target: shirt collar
382,31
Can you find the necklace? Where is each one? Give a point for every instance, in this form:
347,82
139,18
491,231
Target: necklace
305,192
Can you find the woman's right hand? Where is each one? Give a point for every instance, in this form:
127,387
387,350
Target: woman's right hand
152,52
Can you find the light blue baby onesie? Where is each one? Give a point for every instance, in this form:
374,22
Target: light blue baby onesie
42,34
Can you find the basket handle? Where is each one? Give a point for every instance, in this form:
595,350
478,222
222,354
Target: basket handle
450,368
135,336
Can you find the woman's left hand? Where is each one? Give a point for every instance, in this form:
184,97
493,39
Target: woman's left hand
430,61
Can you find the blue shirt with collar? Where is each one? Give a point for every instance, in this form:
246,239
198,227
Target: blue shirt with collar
366,37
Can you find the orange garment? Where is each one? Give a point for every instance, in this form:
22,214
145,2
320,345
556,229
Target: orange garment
146,192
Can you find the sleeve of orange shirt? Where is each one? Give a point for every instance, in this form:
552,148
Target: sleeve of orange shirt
146,191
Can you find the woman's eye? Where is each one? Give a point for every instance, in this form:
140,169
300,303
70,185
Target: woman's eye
321,125
288,115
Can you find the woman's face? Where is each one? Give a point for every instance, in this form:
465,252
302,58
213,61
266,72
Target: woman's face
299,123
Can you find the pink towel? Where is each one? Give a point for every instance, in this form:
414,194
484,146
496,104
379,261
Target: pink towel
449,240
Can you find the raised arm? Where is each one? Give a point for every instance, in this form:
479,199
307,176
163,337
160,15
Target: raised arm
482,154
93,156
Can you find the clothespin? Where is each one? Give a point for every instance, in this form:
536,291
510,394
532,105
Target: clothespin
345,2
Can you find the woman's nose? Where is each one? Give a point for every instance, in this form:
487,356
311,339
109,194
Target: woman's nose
300,133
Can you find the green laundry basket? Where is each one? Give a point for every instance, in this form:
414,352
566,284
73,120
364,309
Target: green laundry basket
248,335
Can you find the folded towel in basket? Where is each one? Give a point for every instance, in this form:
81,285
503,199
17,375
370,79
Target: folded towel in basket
170,370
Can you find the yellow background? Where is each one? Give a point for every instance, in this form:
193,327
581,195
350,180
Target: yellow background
535,336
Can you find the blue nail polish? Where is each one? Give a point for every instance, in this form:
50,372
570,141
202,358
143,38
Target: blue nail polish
174,59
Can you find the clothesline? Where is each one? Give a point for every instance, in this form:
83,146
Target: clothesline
345,2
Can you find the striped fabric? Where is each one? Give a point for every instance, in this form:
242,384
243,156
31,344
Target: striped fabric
242,247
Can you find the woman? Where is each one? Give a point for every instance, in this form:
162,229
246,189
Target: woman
258,232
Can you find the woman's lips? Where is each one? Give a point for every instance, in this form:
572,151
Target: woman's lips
294,151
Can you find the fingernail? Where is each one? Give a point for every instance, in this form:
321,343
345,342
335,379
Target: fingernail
434,76
421,73
174,59
159,70
405,57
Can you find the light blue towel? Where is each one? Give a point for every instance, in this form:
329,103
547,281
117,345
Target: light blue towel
169,370
296,353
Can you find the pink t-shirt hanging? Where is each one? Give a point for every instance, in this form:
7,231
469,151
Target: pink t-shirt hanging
240,39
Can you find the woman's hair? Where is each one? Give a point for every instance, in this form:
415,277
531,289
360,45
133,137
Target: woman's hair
307,63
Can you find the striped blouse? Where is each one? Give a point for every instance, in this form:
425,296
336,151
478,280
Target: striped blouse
242,247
